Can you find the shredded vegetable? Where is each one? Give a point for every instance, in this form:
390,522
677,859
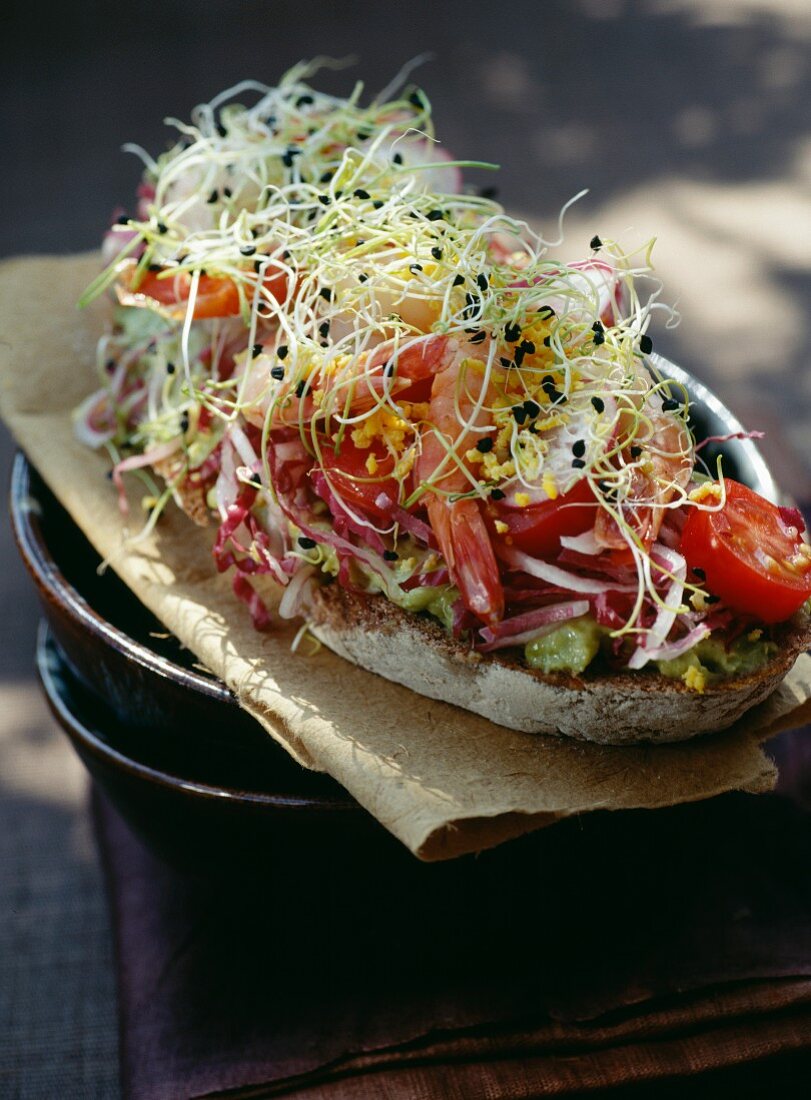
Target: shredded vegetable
368,375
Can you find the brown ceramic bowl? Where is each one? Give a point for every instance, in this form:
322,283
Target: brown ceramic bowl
166,741
201,806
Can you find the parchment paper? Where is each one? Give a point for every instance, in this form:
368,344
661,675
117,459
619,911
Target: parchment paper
444,781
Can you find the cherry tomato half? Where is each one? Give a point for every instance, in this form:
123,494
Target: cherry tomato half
537,528
351,481
749,555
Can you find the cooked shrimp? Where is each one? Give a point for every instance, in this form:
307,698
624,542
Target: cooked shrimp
459,525
668,450
366,380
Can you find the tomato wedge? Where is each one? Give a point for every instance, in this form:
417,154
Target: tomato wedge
350,478
751,557
537,528
217,296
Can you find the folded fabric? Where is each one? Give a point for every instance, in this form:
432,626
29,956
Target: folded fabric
620,947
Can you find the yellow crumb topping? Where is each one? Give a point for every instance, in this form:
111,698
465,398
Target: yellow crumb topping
695,679
708,490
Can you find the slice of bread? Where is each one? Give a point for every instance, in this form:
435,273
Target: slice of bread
613,709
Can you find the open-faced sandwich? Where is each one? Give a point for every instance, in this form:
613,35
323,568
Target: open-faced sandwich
445,450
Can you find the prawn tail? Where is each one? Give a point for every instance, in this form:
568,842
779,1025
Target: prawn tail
471,560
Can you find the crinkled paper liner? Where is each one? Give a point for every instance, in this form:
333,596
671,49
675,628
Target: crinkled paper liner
444,781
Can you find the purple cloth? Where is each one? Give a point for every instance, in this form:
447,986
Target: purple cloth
259,978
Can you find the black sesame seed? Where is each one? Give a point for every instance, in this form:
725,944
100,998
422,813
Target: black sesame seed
579,448
545,312
669,405
598,338
213,197
598,404
497,494
645,344
363,278
434,215
388,370
257,265
636,452
304,101
519,356
286,254
481,281
527,347
326,293
473,306
184,423
458,280
301,388
597,327
415,269
161,228
390,555
227,192
595,243
546,341
377,204
436,253
281,351
485,445
122,219
397,158
248,249
532,408
257,349
512,332
325,200
170,368
305,543
520,413
359,193
578,463
478,337
277,373
506,363
327,176
323,329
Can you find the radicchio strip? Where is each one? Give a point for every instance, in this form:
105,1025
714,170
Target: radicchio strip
533,624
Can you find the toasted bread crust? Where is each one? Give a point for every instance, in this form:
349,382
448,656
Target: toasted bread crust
613,709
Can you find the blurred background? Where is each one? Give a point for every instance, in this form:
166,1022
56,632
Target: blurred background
686,119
